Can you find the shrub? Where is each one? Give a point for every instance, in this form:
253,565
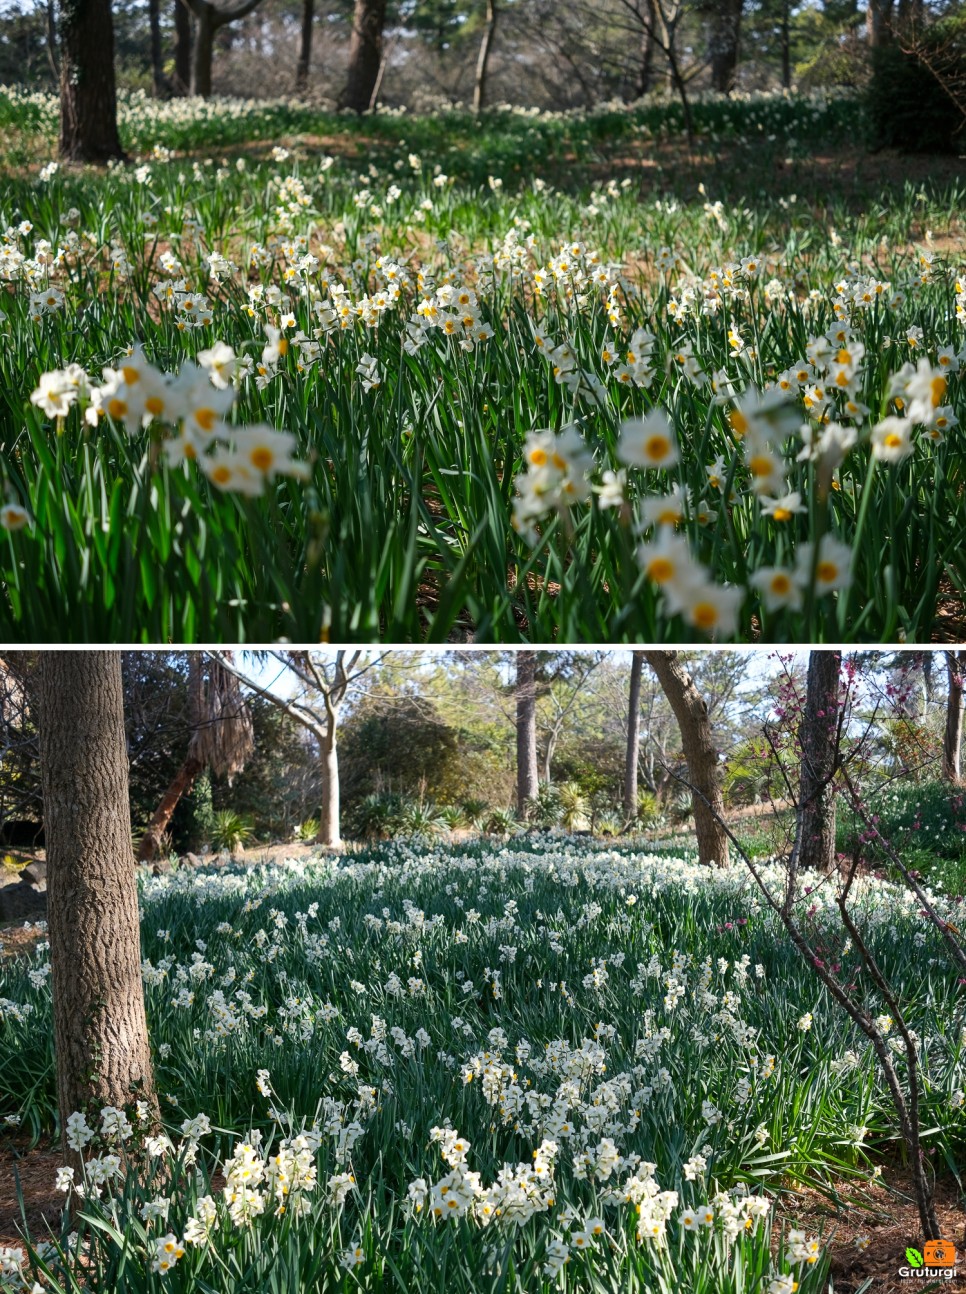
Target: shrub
915,98
307,830
193,819
545,809
574,807
230,830
419,819
373,817
648,809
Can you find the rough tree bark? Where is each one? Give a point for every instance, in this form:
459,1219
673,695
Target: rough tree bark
526,726
953,734
365,54
697,740
483,59
819,744
305,47
88,93
100,1030
633,755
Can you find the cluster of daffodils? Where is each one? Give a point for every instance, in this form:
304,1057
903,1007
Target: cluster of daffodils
768,438
557,477
487,1023
729,415
194,404
520,1191
523,1190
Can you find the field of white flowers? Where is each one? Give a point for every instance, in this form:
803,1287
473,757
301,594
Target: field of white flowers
525,1067
289,395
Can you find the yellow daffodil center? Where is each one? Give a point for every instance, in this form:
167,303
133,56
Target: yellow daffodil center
705,615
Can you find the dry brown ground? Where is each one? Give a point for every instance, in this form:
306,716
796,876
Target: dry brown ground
887,1215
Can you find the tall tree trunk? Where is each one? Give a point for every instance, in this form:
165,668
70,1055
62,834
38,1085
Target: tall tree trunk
202,50
818,740
953,735
645,68
725,39
697,740
548,755
51,40
786,46
182,48
676,77
365,54
910,15
526,702
663,33
483,59
633,755
180,785
100,1030
305,47
88,94
878,22
330,830
221,739
157,67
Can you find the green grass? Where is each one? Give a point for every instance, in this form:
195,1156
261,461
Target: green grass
404,528
545,990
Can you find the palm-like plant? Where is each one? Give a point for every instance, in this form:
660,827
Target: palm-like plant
574,806
231,831
419,818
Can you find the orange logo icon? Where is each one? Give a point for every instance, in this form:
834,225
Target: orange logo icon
939,1253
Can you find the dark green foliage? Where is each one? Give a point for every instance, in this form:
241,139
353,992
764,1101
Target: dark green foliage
373,817
403,745
279,786
915,99
194,820
595,764
158,728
